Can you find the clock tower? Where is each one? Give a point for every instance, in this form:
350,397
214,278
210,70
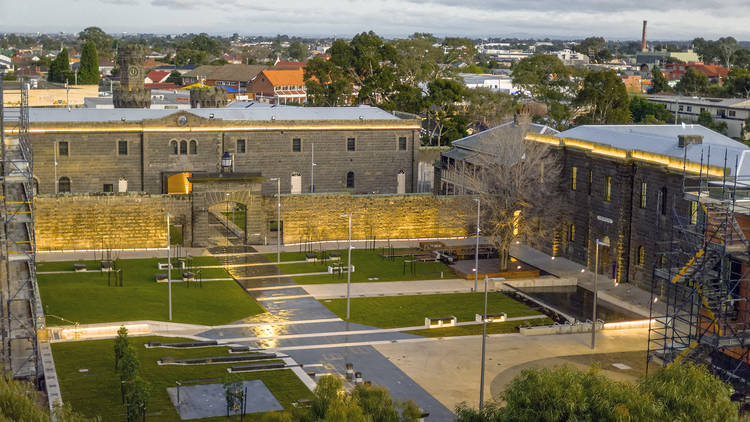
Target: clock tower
131,93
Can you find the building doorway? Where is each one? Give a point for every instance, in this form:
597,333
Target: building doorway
605,261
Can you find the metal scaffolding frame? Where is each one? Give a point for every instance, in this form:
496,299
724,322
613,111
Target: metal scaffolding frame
21,313
699,310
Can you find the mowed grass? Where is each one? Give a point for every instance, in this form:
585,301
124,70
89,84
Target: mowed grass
85,297
475,330
368,267
408,311
97,391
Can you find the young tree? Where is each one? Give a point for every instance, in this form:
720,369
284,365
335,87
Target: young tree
18,402
137,394
129,364
517,180
120,344
88,73
605,98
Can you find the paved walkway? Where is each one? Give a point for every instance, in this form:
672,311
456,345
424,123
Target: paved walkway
458,359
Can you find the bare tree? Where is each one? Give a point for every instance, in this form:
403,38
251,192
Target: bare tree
519,187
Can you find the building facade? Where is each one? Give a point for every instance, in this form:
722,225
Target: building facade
353,149
735,112
621,185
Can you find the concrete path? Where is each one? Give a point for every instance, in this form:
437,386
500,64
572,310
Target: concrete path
389,288
458,359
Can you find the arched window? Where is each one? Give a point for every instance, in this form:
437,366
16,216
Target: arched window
63,185
193,147
183,147
350,180
641,255
173,147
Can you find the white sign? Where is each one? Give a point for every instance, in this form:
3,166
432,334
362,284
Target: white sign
604,219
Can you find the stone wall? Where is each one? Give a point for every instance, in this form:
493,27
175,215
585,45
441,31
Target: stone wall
86,222
317,217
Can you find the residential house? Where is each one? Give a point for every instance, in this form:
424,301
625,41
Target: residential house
733,111
233,76
715,73
280,86
156,76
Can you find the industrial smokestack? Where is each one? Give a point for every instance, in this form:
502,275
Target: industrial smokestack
643,37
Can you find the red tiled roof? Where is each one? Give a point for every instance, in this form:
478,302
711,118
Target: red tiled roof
157,75
293,65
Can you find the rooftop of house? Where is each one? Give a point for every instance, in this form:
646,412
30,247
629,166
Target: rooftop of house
253,113
714,148
282,77
707,101
158,75
227,72
472,147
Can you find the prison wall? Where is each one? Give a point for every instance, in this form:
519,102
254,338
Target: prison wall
108,221
318,216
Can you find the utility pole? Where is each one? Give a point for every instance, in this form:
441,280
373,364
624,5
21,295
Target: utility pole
476,252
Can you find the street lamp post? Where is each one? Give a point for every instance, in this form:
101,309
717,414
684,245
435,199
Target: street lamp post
278,218
169,267
476,252
596,274
484,343
348,264
312,168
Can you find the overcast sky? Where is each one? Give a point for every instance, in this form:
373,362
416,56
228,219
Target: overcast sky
616,19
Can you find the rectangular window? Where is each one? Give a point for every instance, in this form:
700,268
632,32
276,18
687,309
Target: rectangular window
122,147
350,144
591,180
693,212
241,146
680,108
572,233
402,143
732,113
296,145
109,187
573,178
689,108
608,188
644,192
62,148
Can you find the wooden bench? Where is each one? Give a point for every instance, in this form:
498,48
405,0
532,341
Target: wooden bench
79,267
160,277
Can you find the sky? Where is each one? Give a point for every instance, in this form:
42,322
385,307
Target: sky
613,19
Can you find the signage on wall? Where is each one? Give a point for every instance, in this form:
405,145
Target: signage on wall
604,219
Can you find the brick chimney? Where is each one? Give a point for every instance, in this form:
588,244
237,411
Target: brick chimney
523,116
685,140
643,37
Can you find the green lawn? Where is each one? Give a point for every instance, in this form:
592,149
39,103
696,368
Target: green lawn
85,297
407,311
239,217
472,330
367,265
97,391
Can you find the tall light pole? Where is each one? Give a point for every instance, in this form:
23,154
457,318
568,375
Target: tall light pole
169,267
348,264
278,218
596,274
312,168
476,252
484,343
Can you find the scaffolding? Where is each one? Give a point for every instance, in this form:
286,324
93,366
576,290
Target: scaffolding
699,309
21,307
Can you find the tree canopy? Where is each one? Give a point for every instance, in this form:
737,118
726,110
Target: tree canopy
101,39
545,78
692,83
604,98
684,393
59,70
88,72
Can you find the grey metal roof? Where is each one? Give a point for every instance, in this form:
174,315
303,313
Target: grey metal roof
714,102
482,141
284,113
663,139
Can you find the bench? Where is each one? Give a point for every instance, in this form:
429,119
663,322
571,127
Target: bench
107,266
79,267
160,277
498,317
438,322
165,265
188,276
311,257
337,270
